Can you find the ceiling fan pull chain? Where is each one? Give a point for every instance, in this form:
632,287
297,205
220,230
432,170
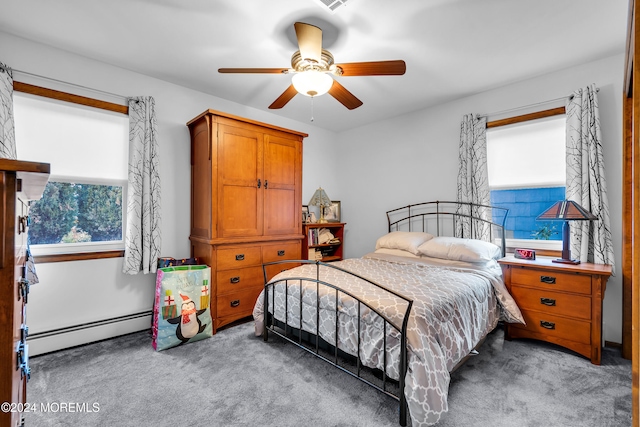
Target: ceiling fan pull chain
312,108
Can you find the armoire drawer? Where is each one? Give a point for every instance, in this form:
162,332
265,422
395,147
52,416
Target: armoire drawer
281,251
238,303
569,305
237,279
228,258
552,280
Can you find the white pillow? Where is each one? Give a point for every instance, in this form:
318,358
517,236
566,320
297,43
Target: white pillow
396,252
458,249
405,240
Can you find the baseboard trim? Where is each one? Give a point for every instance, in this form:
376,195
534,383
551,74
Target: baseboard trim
72,336
612,344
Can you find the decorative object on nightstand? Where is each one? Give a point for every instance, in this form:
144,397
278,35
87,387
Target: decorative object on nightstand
561,303
321,199
566,210
524,253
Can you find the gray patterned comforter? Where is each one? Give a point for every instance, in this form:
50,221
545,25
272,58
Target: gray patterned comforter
454,308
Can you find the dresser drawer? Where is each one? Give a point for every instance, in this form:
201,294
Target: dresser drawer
228,258
281,251
569,305
551,280
238,303
241,278
549,325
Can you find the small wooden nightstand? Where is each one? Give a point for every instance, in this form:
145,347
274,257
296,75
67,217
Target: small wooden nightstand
561,303
330,251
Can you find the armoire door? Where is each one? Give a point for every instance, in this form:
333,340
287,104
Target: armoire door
283,181
240,182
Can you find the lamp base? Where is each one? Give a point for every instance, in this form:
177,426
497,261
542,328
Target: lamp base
566,261
322,221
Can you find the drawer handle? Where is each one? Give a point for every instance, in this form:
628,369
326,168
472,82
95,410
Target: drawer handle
235,303
235,279
281,253
550,280
548,301
240,257
547,325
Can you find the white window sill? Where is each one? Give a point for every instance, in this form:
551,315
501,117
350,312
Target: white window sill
550,245
76,248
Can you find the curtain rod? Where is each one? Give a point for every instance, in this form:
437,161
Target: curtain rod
497,113
125,98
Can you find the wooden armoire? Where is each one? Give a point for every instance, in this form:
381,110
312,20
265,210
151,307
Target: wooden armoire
246,206
20,182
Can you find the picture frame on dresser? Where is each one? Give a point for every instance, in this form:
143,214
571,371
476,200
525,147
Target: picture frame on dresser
305,214
332,212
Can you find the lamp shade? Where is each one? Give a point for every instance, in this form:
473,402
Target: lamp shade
320,198
566,210
312,83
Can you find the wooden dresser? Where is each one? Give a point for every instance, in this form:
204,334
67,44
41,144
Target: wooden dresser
561,303
246,206
19,182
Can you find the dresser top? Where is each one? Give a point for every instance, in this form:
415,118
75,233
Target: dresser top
548,264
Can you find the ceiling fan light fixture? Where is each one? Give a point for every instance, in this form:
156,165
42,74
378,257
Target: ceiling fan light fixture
312,83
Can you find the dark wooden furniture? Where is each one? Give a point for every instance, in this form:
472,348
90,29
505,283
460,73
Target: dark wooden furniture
561,303
246,198
631,207
19,182
330,251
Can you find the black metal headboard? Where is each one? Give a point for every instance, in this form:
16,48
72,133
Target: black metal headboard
444,218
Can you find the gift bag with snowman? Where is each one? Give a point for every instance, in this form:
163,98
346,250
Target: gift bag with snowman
181,311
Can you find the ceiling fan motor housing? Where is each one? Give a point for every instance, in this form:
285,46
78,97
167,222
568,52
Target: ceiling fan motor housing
326,64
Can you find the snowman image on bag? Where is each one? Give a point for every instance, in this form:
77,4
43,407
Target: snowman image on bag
189,324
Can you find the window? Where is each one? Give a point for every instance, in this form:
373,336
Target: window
82,206
526,162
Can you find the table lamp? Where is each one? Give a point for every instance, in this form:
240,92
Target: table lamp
566,210
321,199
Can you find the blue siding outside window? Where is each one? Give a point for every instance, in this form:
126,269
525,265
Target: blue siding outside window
525,204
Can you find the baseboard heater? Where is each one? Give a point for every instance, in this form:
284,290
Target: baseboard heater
72,336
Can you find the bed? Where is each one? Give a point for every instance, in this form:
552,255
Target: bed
404,316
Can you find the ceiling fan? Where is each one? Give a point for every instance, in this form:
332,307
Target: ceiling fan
312,67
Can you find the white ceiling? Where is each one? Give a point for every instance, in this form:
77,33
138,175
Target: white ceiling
452,48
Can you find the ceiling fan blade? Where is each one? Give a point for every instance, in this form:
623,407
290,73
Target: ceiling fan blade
254,70
309,41
282,100
343,96
374,68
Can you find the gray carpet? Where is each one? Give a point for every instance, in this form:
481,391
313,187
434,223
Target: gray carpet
235,379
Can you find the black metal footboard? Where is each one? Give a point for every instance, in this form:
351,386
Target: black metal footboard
318,348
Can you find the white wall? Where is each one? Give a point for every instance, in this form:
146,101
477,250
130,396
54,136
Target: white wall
414,158
72,293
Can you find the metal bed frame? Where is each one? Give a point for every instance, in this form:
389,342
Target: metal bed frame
410,217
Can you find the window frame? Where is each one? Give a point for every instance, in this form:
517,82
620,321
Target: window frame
542,247
90,102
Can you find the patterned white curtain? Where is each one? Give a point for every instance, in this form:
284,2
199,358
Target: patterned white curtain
143,240
586,184
7,130
473,178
